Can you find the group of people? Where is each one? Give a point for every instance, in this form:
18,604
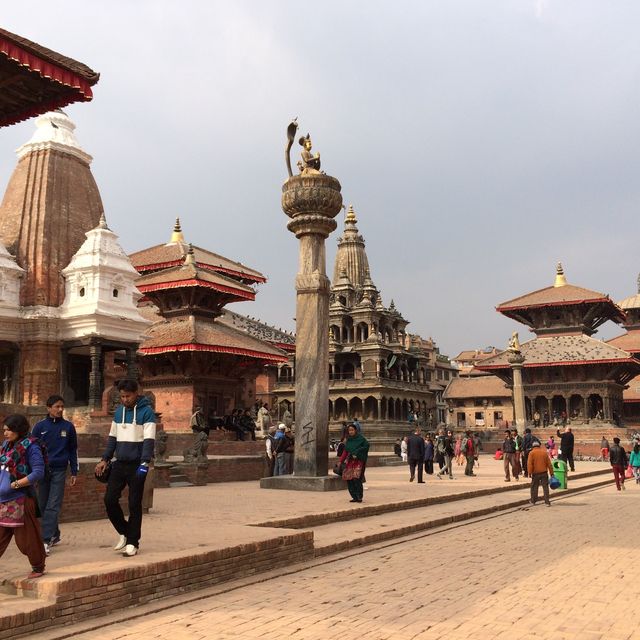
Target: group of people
33,473
421,452
279,448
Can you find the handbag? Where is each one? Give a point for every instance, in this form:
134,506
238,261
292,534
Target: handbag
353,470
12,513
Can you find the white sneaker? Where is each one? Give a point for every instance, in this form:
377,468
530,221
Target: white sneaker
121,544
130,550
47,549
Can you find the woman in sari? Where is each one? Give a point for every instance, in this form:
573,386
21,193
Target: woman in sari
21,466
356,451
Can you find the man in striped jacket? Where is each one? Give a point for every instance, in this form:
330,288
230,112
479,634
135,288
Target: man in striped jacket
131,440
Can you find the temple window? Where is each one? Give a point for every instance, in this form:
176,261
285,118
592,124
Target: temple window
81,292
115,293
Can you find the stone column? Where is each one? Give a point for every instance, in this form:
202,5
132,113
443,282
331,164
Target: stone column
132,364
311,200
606,407
516,360
95,377
379,401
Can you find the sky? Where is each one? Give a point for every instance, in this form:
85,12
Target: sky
479,142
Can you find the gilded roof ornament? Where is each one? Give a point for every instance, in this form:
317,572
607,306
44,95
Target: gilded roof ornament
561,281
177,235
351,215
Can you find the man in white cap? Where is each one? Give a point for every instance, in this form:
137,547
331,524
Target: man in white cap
281,443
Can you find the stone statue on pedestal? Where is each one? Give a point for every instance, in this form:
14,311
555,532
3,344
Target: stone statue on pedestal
198,450
161,446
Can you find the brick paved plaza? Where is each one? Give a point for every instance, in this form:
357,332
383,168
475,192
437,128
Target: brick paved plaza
520,573
533,573
559,573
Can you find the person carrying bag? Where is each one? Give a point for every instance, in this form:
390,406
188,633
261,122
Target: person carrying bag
356,451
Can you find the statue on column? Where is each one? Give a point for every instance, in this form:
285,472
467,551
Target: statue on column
514,343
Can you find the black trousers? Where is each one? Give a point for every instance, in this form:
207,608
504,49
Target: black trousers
124,474
413,463
428,467
568,458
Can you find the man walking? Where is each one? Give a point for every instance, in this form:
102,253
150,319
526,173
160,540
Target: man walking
444,449
61,442
132,440
527,444
566,447
539,468
415,453
509,456
604,448
618,460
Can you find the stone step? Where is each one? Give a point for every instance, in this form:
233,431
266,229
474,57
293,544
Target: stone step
369,529
180,483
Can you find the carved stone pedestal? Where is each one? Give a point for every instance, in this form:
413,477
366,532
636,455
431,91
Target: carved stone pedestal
195,472
304,483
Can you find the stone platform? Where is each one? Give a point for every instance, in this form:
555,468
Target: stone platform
201,536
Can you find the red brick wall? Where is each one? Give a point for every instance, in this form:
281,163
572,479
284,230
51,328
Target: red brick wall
84,501
176,404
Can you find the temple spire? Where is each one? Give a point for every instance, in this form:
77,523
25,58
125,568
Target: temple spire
177,235
561,281
351,255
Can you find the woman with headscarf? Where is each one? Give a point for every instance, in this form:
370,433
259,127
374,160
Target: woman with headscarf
21,466
356,451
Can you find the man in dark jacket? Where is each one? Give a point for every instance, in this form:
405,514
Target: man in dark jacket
415,454
61,441
566,447
618,460
509,456
527,443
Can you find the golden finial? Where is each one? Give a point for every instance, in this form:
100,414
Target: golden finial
176,236
561,281
351,215
190,257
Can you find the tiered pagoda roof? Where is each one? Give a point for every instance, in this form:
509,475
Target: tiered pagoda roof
197,334
562,308
187,296
35,79
163,256
189,274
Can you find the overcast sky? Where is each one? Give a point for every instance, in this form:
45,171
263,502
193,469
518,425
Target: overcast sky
479,141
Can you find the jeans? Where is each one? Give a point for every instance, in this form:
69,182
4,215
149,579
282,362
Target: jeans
413,463
509,459
469,468
447,468
538,479
568,458
281,465
125,474
618,475
428,467
50,496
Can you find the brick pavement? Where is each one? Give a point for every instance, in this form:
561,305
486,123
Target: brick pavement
217,515
555,574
